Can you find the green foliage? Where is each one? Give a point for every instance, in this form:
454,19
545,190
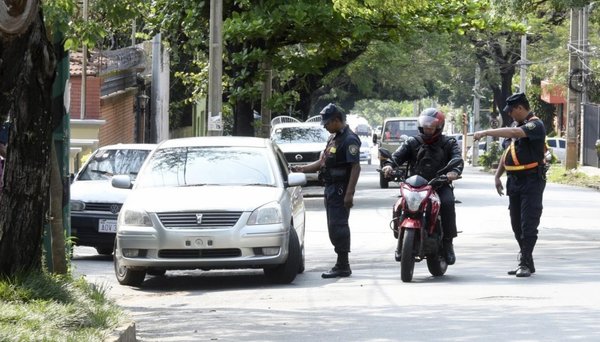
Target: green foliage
558,174
491,157
35,307
107,21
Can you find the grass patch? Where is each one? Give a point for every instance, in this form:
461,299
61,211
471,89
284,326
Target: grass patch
558,174
44,307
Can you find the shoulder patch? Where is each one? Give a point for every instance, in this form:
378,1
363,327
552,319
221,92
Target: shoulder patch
530,126
353,149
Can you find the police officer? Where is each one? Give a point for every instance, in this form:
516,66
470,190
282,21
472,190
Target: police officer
339,168
431,124
524,163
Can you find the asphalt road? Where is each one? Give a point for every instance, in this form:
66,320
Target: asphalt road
476,300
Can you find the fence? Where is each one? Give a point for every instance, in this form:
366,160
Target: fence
591,133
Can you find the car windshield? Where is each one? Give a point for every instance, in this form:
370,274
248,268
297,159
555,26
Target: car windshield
393,130
198,166
106,163
302,135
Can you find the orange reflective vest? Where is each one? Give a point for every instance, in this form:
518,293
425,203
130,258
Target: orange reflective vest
513,153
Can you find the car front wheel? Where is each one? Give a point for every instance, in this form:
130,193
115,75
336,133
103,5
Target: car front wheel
286,272
126,276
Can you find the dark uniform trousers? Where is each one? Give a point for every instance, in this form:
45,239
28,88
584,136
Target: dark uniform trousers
447,211
525,192
337,216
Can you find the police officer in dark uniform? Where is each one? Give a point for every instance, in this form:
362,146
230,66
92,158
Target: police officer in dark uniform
431,124
524,162
339,168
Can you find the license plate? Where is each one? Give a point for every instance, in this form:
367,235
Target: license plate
107,226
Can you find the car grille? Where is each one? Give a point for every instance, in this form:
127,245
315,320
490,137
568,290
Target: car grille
199,253
110,207
307,157
206,219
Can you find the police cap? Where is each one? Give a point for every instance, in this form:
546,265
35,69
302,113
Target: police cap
514,100
329,112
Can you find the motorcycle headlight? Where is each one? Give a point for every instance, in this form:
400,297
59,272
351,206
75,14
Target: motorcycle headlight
414,199
267,214
133,217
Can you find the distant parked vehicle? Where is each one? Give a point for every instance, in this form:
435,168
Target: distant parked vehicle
95,204
395,132
559,147
301,142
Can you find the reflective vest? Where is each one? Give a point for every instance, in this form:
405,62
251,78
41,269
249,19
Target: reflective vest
513,154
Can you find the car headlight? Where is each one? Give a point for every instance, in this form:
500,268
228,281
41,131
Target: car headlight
267,214
131,217
77,205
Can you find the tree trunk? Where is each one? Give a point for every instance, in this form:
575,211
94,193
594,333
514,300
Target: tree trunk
59,258
243,119
27,68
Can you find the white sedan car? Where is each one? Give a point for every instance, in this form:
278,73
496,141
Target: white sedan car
212,203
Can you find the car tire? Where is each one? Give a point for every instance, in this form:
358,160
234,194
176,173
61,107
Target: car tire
302,260
127,276
104,251
286,272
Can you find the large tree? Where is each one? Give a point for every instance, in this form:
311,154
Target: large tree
27,66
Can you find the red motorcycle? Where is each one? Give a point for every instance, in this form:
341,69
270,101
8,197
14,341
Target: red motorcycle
416,220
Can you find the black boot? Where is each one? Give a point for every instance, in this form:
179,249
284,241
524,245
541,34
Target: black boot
338,271
341,268
449,252
526,267
531,267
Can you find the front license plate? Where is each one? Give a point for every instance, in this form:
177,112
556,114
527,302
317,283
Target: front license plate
107,226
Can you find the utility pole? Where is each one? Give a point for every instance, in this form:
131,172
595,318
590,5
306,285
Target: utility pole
523,64
574,107
215,71
265,111
476,98
83,96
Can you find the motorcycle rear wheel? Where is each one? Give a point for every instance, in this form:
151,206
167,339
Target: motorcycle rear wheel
407,261
437,265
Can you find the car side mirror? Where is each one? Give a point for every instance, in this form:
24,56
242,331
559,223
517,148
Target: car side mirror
374,138
121,182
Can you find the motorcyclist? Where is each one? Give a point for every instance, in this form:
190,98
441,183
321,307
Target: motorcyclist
427,153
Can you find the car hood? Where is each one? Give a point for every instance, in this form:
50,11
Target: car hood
94,191
237,198
291,148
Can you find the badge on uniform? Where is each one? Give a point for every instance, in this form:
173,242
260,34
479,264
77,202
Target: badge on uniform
332,149
530,126
353,149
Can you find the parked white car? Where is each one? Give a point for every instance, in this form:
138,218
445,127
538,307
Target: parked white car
559,147
95,204
212,203
366,149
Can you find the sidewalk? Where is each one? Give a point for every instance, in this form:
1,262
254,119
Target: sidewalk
589,170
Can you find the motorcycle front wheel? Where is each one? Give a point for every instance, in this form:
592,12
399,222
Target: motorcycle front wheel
407,261
437,265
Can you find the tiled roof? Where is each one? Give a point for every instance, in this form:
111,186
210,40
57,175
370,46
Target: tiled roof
76,65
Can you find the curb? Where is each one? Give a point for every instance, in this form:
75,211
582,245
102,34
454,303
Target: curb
123,333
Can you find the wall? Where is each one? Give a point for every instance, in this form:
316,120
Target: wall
118,111
92,105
